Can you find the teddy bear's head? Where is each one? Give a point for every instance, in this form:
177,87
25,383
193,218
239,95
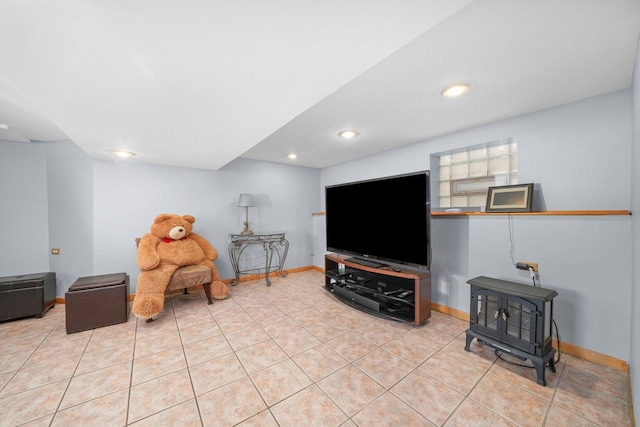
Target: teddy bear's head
171,226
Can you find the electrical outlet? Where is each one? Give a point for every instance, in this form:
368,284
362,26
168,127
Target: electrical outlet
523,265
55,251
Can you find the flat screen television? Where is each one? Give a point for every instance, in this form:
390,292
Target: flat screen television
379,221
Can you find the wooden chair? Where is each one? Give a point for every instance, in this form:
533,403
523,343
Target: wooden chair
189,276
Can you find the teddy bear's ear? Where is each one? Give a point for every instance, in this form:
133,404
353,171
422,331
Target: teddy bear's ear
189,218
161,217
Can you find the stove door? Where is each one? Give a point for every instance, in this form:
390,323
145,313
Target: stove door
520,317
486,312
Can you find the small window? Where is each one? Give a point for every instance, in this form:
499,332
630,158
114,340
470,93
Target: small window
471,186
466,174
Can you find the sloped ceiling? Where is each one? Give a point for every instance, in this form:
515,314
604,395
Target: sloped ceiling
197,83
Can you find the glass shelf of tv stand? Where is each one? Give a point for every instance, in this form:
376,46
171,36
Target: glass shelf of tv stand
352,280
373,302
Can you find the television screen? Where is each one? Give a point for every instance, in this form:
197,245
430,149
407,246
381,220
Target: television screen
384,219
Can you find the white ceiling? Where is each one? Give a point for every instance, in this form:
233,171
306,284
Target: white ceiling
197,83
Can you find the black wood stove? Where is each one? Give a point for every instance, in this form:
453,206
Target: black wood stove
513,318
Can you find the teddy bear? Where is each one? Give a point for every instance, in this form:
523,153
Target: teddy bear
170,244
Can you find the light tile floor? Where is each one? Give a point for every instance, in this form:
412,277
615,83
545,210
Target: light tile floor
285,355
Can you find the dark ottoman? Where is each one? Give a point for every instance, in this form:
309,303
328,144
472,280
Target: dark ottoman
97,301
27,295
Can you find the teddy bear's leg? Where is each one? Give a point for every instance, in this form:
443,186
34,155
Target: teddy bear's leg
218,289
149,299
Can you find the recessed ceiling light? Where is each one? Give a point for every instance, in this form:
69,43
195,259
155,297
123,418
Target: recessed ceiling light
123,153
348,134
3,126
292,156
456,90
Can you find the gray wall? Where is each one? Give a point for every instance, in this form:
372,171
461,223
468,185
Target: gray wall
70,191
580,154
635,207
129,196
54,195
24,226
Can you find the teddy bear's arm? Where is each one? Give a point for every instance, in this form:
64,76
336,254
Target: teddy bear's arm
148,257
209,251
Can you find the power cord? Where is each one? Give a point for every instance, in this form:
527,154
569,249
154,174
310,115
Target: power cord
533,276
512,252
558,340
499,353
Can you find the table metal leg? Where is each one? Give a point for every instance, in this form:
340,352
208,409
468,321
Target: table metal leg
234,256
268,250
283,273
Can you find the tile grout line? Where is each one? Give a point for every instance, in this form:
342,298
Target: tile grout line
186,362
55,413
133,359
467,396
555,390
48,333
290,358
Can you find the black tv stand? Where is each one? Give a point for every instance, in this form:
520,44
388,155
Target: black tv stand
365,262
396,294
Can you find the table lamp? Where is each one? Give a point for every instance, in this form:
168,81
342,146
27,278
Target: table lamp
244,202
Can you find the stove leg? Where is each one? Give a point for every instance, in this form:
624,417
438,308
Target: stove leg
468,343
540,366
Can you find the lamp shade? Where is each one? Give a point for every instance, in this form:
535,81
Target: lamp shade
245,200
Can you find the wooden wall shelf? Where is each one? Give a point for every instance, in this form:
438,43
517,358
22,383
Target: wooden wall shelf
540,213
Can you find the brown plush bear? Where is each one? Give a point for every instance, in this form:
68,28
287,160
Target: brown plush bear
170,245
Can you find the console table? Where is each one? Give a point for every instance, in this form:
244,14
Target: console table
270,243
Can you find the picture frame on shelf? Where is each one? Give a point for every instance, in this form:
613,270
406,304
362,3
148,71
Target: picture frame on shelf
510,198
